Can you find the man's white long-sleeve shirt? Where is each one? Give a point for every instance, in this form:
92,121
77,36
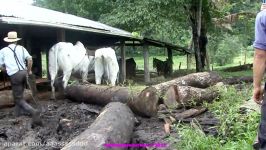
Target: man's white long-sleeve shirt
7,58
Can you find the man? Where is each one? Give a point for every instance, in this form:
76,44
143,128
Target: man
13,59
259,66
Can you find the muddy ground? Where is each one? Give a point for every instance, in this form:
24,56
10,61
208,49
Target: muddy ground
63,120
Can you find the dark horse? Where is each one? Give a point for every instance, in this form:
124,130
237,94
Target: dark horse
162,67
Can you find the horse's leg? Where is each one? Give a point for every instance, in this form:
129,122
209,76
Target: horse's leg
52,76
66,77
99,70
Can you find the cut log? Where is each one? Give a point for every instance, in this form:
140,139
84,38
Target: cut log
239,68
114,125
250,105
187,95
190,113
170,97
6,98
202,121
144,103
167,128
238,80
199,80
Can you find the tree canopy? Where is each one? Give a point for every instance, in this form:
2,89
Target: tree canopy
174,21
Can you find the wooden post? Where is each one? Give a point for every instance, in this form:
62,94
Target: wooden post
245,57
123,62
146,64
61,35
180,65
189,59
47,63
189,56
170,57
207,61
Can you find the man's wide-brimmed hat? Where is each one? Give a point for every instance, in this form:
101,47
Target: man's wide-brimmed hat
12,37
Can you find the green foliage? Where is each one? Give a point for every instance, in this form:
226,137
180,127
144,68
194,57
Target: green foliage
194,139
227,49
91,9
163,20
236,131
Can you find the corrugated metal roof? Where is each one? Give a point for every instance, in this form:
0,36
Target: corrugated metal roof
11,13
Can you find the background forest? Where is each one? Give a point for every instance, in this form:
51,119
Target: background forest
228,25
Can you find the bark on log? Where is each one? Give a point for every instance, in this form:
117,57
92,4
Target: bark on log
202,121
144,103
114,125
238,80
187,95
193,112
239,68
6,98
199,80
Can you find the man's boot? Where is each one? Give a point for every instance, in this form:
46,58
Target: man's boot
35,114
18,111
36,119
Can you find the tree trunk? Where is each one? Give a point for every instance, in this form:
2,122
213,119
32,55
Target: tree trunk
170,57
200,80
6,98
199,31
114,125
144,103
187,95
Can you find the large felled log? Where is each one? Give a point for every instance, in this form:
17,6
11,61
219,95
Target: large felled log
187,95
144,103
114,125
199,80
239,68
6,98
238,80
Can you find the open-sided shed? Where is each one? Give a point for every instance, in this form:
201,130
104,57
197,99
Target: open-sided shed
41,28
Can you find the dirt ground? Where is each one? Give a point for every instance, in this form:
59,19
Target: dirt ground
63,120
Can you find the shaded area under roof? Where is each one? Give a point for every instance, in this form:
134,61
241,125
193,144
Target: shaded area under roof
158,43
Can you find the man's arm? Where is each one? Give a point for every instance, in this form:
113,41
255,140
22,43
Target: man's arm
29,65
259,66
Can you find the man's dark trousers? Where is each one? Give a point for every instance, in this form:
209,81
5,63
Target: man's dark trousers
18,82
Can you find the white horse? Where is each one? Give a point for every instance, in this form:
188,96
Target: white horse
68,58
106,65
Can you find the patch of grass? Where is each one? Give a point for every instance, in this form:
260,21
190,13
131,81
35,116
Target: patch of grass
236,131
194,139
